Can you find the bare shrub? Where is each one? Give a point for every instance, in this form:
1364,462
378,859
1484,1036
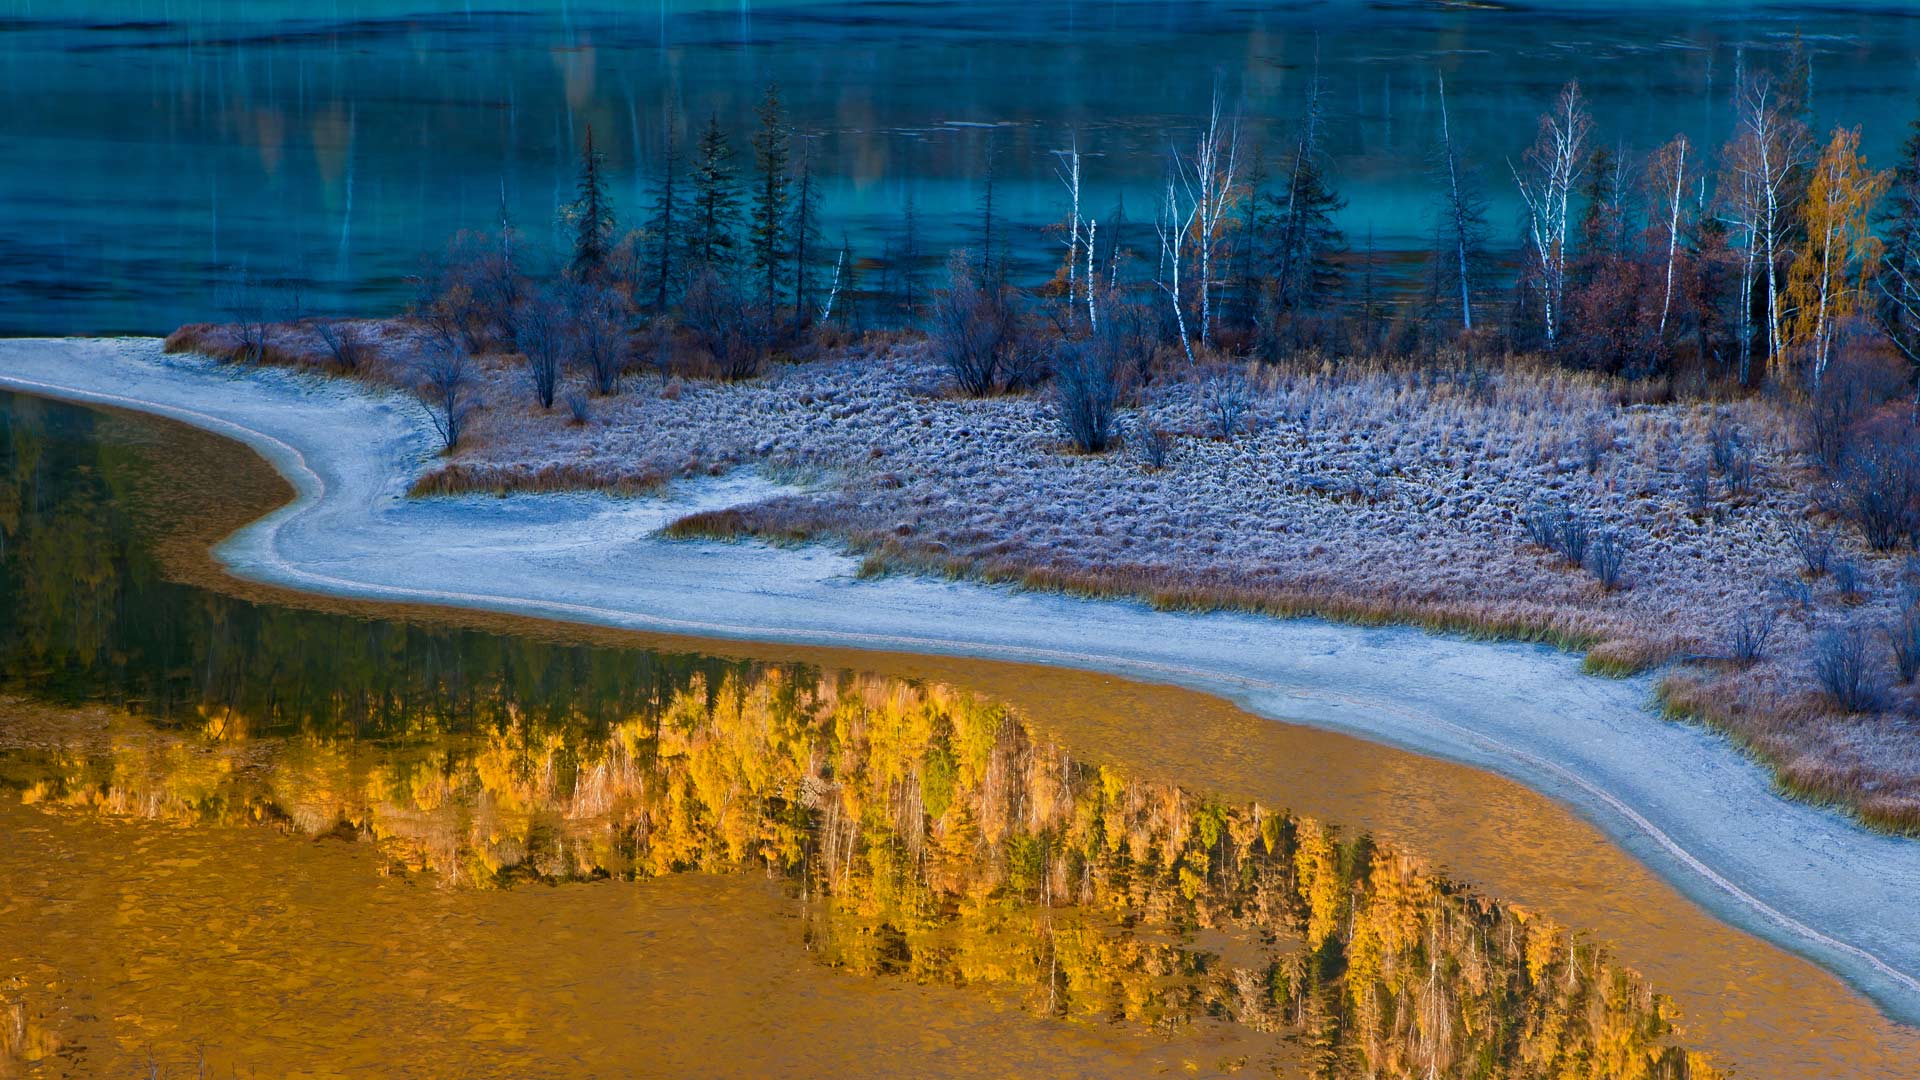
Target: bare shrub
1841,664
1904,636
1748,638
721,323
1742,471
597,333
1596,438
1156,446
1723,443
1226,397
1573,537
1847,581
1877,485
1606,558
446,378
543,340
1087,383
1813,546
345,343
245,299
579,408
474,287
1699,486
1793,592
1542,522
975,333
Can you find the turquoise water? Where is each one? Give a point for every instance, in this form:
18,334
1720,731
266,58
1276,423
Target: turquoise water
153,147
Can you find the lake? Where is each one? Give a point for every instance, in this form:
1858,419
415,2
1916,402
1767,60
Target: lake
155,148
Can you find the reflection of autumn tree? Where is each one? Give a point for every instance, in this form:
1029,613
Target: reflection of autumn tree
930,835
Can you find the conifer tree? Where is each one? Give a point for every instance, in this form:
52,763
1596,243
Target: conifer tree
767,227
716,203
663,227
592,213
803,233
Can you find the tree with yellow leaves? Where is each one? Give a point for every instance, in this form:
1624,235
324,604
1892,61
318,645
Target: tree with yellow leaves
1839,254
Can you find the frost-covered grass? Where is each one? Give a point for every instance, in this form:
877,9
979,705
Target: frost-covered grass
1362,493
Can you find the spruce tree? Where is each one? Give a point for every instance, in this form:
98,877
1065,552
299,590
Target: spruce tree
592,213
767,228
988,268
804,233
1306,237
664,225
716,203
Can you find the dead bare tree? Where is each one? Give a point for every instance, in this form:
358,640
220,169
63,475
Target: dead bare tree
1463,216
1173,226
1208,181
1069,173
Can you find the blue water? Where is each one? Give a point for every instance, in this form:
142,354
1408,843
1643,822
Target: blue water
150,148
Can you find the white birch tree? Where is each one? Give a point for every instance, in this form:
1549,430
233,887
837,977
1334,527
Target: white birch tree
1554,163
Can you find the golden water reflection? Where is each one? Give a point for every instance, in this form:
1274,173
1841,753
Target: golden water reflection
367,719
923,833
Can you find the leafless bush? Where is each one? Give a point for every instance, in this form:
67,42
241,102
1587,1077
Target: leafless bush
1156,445
1226,397
543,342
446,378
1596,438
597,332
1742,470
345,343
1847,581
1573,537
975,332
1723,443
1748,638
1792,592
1606,558
722,323
1814,546
1877,485
1087,384
579,408
1542,522
1904,636
245,299
474,287
1841,664
1699,486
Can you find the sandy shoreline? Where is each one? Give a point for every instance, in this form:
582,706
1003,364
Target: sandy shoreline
1681,799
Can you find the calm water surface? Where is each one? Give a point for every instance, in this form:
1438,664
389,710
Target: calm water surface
152,146
293,840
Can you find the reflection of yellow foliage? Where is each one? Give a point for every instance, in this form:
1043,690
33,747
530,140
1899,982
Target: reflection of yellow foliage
933,838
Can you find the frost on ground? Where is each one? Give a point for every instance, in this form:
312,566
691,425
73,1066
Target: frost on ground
1357,493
